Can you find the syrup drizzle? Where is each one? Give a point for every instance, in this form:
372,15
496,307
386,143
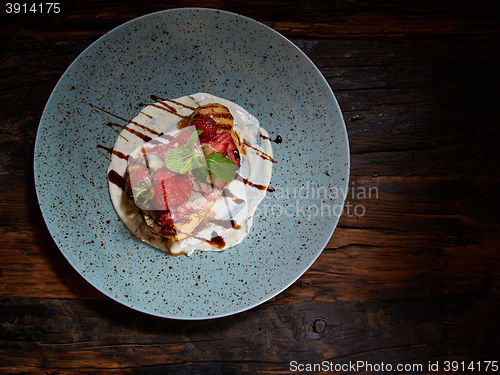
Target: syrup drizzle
226,224
137,133
144,137
227,194
127,121
115,178
145,114
182,105
156,98
109,113
249,183
160,103
121,155
277,140
217,242
168,108
260,153
145,127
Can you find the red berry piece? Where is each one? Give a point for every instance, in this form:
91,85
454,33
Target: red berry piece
170,190
233,154
164,218
162,150
139,176
220,142
181,139
207,125
138,185
163,173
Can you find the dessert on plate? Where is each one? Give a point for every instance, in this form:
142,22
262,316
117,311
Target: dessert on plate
188,174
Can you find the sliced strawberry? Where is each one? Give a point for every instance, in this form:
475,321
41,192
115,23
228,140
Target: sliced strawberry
139,178
181,139
139,175
207,125
162,150
224,144
220,142
163,173
170,190
164,218
233,154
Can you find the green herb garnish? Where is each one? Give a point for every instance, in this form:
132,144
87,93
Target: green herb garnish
183,158
221,167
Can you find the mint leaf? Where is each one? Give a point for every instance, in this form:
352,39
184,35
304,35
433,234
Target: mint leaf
178,159
193,139
200,169
200,175
186,165
221,167
182,159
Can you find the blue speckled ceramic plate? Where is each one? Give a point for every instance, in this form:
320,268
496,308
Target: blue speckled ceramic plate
172,54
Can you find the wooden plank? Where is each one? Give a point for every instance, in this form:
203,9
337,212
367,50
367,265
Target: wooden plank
395,97
366,264
414,279
416,203
402,108
31,262
328,20
437,230
72,335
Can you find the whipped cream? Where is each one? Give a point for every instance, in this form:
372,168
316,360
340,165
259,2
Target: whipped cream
239,201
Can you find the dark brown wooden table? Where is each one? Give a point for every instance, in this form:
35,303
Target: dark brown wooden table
411,278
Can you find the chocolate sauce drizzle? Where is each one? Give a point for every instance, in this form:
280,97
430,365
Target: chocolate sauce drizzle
156,98
277,140
227,224
217,242
182,105
109,113
135,132
249,183
160,103
227,194
167,108
115,178
144,137
260,153
119,154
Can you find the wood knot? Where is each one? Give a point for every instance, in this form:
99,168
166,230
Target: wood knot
319,326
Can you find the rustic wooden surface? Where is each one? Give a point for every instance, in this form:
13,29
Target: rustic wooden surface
414,280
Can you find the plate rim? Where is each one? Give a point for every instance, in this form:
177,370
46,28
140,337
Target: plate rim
268,296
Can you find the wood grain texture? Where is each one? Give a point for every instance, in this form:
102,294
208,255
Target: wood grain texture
446,241
412,272
69,335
